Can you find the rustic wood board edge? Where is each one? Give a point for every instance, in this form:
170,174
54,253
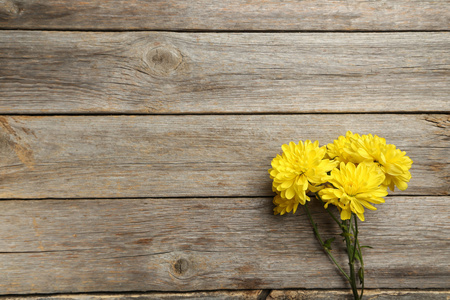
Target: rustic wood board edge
379,294
199,244
210,155
369,294
50,72
226,15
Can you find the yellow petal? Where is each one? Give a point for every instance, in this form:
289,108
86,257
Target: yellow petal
345,214
289,194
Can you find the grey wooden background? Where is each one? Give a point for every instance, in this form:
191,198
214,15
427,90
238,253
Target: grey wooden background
135,140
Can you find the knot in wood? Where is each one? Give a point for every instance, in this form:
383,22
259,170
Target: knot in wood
181,266
164,60
8,9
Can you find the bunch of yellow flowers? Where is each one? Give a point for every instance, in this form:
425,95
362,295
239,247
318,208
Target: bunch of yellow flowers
351,173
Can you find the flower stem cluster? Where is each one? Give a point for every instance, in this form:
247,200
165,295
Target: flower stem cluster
352,173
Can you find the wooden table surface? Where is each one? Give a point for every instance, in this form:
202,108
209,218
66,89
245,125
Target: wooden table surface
136,136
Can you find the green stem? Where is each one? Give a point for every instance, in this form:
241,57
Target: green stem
362,270
332,215
316,233
355,231
350,253
328,210
361,259
356,247
347,227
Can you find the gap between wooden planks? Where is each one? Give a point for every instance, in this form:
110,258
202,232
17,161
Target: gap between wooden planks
321,15
60,246
174,73
191,156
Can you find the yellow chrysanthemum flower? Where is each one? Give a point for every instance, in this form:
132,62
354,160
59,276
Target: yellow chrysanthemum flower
354,187
283,205
301,167
338,150
365,148
393,162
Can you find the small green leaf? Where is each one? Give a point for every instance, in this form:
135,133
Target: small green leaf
346,234
328,242
361,275
366,247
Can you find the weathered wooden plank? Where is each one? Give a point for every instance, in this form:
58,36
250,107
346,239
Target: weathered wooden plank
140,72
208,155
252,294
213,295
59,246
226,15
368,294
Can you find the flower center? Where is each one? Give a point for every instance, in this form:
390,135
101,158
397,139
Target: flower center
352,188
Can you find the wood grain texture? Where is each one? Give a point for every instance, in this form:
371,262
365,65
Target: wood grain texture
251,295
176,73
321,15
190,156
368,294
59,246
208,295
